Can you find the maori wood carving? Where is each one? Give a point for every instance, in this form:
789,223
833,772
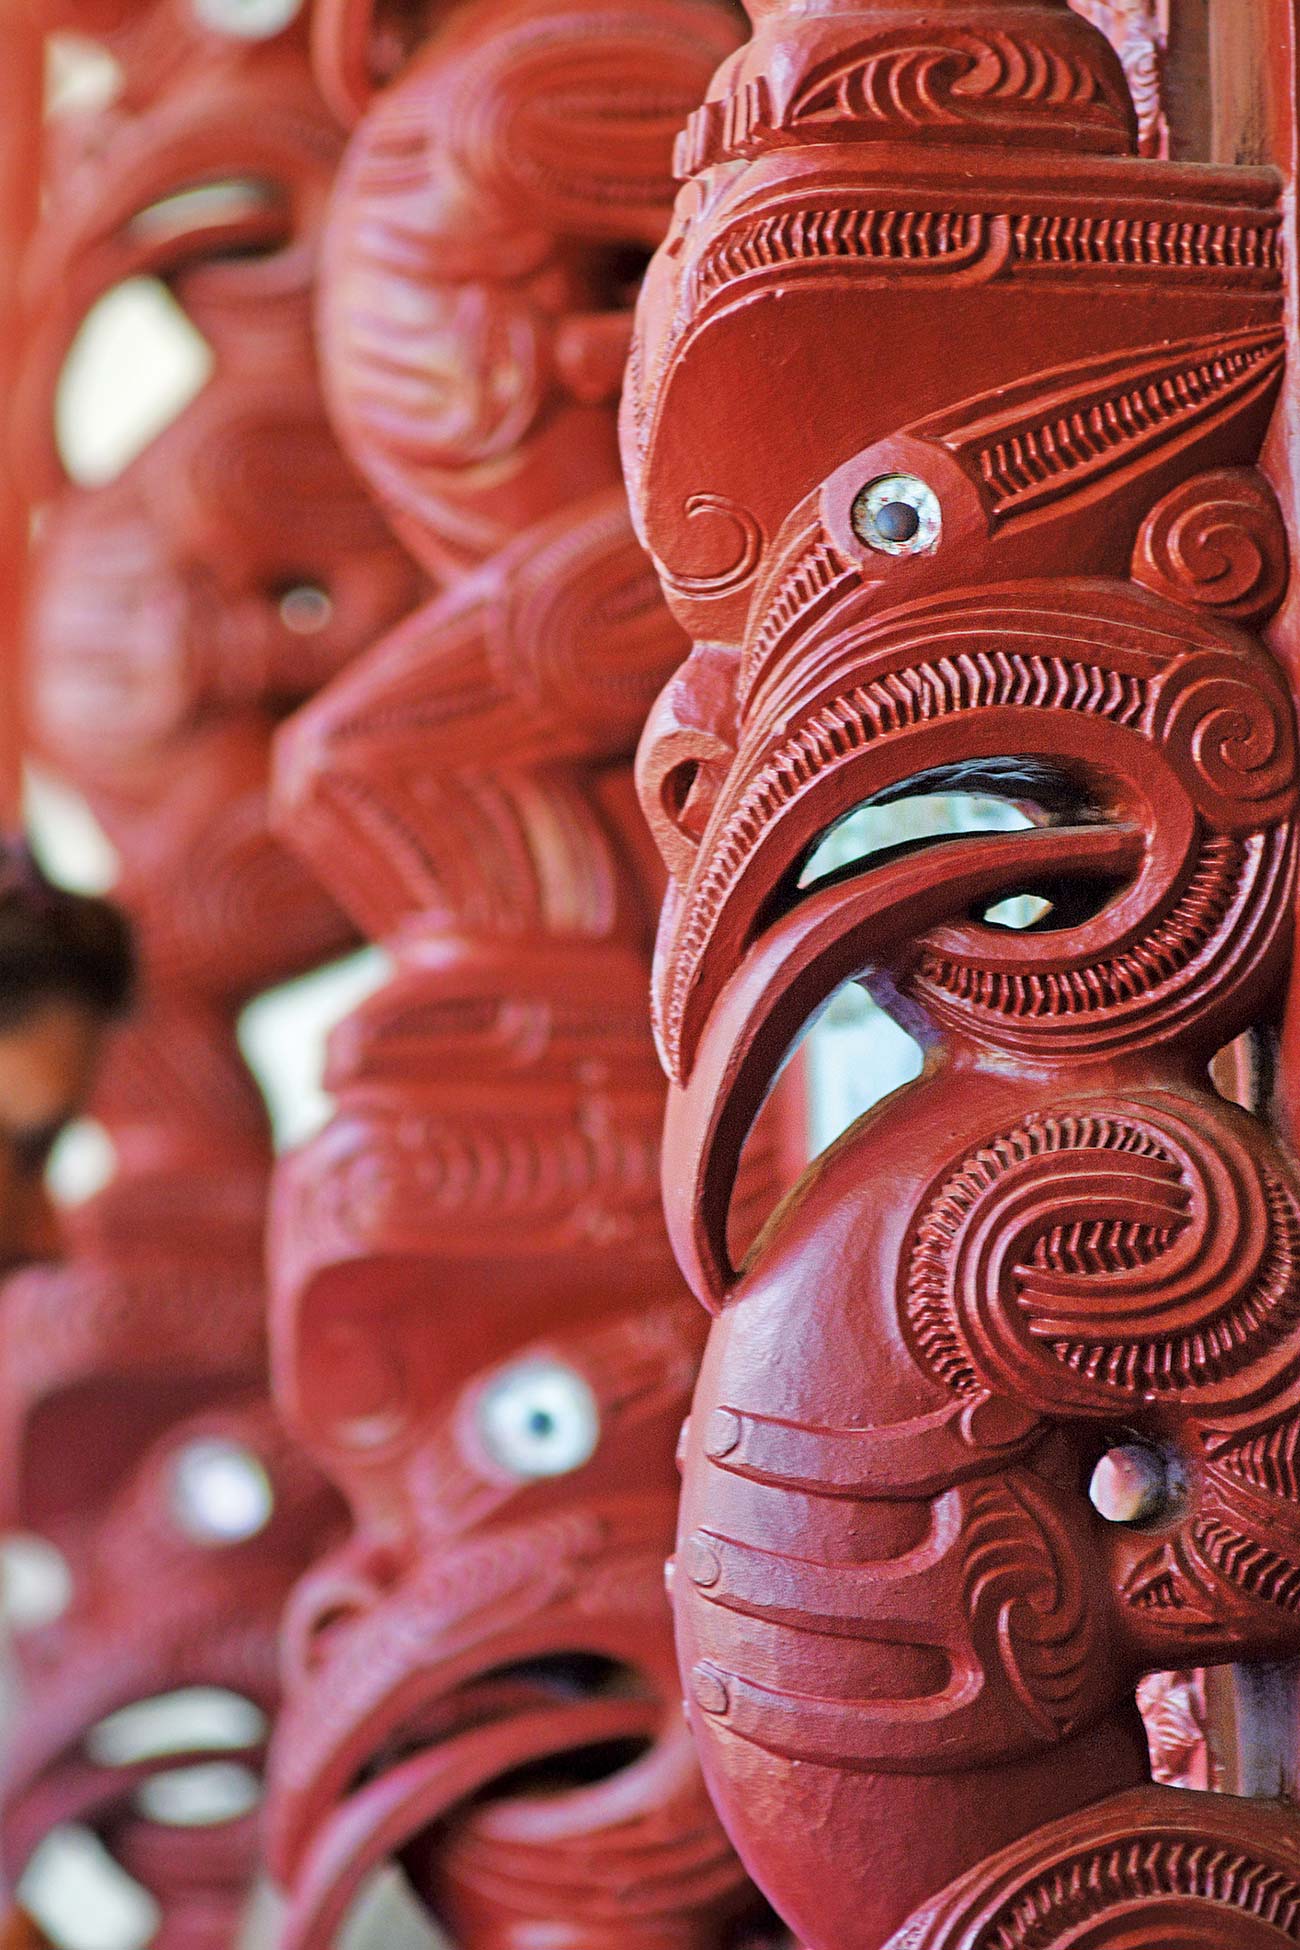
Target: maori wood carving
478,1328
942,426
167,634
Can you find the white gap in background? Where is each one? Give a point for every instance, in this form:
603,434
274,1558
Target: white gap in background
79,1896
35,1582
80,76
67,839
389,1915
856,1054
197,1719
284,1032
206,1796
135,365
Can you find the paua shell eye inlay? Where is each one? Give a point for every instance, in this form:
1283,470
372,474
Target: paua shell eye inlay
898,514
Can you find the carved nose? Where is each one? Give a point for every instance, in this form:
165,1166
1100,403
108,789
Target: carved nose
686,752
338,1595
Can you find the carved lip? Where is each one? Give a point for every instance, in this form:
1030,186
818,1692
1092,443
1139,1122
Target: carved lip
48,1778
641,1842
1069,677
425,1649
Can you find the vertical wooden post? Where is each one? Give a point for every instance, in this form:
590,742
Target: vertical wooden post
21,104
945,425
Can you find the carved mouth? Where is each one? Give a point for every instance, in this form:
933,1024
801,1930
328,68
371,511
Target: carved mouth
956,690
166,1774
549,1759
437,1690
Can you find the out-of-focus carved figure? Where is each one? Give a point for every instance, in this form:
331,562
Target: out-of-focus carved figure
478,1328
177,611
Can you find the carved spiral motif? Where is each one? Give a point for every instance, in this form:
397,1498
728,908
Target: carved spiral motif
739,547
1217,541
1157,1256
1139,1872
1231,731
997,83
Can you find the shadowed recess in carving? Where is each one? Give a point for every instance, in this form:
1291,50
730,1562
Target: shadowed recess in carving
1017,796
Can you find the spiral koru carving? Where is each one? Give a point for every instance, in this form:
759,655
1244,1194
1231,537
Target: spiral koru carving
1000,1415
1217,540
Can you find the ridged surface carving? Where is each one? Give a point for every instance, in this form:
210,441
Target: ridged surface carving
478,1328
225,570
995,1436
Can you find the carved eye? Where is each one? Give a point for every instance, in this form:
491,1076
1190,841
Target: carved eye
220,1493
305,608
37,1582
247,20
1133,1483
897,514
539,1419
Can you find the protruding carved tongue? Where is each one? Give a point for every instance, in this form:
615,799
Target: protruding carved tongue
832,936
382,1818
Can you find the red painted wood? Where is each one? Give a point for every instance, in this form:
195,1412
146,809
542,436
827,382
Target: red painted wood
478,1328
943,428
21,85
161,652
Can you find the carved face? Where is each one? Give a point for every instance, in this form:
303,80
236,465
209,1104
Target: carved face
486,1659
1031,1425
167,598
480,1683
493,213
179,1565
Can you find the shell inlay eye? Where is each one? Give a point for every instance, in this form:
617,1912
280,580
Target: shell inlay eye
247,20
221,1494
1131,1484
898,514
539,1419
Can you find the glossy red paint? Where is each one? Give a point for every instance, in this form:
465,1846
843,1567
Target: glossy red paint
161,652
942,426
478,1328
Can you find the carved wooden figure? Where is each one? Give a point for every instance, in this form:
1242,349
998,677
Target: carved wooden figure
942,428
176,612
478,1327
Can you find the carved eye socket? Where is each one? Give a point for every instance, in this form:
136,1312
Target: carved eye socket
539,1419
1132,1484
220,1492
247,20
897,514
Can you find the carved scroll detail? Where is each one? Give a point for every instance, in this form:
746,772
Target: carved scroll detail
998,1416
478,1328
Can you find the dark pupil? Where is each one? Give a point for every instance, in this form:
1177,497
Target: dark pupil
541,1423
897,521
